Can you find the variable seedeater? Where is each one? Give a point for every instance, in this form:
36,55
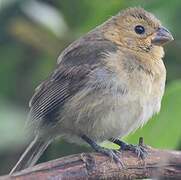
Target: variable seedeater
106,84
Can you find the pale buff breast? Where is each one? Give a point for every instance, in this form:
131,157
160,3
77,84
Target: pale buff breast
145,87
127,101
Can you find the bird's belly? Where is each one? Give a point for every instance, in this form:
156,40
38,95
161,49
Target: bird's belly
109,114
110,117
123,118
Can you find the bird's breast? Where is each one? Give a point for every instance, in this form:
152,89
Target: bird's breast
113,104
144,89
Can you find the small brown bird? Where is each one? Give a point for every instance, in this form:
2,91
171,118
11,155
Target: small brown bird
106,85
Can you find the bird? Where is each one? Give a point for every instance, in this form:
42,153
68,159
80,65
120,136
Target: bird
105,85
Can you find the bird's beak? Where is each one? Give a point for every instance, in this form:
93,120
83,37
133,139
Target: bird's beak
161,37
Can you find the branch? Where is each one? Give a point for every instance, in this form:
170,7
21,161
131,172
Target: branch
159,164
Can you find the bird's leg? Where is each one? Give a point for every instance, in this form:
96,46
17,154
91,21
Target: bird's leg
113,154
139,149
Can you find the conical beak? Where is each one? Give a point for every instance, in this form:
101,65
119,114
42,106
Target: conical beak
161,37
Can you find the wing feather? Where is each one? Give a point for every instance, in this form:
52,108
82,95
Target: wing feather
68,78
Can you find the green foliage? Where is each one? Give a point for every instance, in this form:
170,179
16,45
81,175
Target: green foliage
8,68
11,125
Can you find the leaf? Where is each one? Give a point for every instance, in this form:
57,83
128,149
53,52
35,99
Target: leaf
11,126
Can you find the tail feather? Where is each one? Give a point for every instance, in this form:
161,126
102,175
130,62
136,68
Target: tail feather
31,154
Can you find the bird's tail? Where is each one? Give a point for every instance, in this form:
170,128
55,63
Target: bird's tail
31,154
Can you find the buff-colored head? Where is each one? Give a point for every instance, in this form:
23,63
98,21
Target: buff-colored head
138,30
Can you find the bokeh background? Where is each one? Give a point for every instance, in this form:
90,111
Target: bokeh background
32,35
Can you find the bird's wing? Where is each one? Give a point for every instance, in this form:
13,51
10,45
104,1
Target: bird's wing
52,93
68,78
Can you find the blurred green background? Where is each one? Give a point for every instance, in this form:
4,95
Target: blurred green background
32,35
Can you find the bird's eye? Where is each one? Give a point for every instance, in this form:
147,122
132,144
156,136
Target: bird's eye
139,29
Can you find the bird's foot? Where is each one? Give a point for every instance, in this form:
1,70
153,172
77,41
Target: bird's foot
139,150
112,153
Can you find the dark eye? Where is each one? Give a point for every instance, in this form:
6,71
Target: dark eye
139,29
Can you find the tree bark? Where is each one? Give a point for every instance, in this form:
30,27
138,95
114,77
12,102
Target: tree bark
160,164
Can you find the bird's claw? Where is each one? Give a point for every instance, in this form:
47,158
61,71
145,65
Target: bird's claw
113,154
139,150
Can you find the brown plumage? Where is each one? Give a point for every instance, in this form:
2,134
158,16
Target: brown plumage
106,84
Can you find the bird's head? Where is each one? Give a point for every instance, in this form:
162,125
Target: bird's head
138,30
